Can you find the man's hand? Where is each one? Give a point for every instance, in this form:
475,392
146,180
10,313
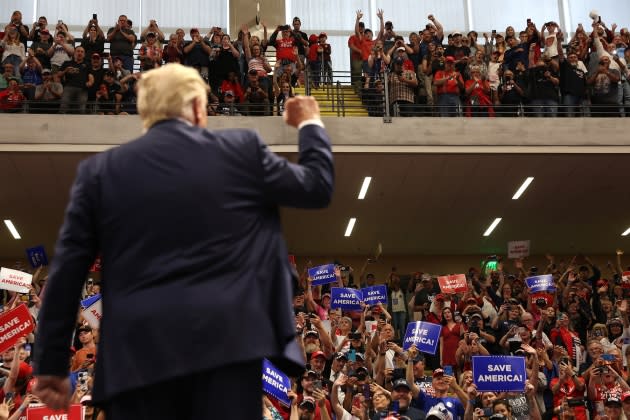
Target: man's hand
299,109
54,391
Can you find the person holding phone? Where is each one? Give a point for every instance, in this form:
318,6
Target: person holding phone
80,360
568,386
307,390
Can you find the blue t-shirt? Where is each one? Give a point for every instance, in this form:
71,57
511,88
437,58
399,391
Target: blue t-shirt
452,404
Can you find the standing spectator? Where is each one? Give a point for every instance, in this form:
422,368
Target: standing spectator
37,28
12,98
225,62
543,85
282,92
196,54
31,71
605,82
478,95
97,71
14,52
257,61
450,336
460,52
93,39
286,45
150,52
60,52
153,28
172,53
39,49
356,60
402,84
399,308
301,39
511,94
87,353
449,84
49,93
77,81
22,30
122,41
572,83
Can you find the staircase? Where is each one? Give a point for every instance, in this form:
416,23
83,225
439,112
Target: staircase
328,102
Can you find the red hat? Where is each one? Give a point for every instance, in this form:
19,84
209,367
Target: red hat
438,372
44,31
440,296
31,384
317,354
313,38
450,59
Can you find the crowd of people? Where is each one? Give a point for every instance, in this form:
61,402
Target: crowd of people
527,72
574,340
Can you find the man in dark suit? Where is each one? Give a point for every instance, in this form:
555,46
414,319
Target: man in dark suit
196,279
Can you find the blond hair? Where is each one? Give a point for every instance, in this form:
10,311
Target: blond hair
168,92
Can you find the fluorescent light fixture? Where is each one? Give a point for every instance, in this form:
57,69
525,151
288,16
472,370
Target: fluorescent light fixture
626,233
351,223
12,229
492,226
364,187
523,187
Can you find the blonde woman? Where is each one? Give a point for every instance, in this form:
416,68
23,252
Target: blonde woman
14,51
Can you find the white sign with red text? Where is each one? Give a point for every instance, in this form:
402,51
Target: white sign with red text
93,313
452,284
518,249
15,280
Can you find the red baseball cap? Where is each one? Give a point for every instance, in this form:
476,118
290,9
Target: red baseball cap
317,354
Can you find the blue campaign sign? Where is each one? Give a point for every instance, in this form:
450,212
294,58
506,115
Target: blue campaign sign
375,294
499,373
37,256
345,298
322,274
275,382
90,300
543,283
425,335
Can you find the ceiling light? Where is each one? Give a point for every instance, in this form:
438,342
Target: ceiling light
523,187
492,226
12,229
626,233
364,187
351,223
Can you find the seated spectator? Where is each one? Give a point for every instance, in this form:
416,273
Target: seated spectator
256,98
232,83
282,92
116,65
228,105
93,39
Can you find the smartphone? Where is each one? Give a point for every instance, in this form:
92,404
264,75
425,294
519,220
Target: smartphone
366,391
94,16
448,370
352,355
356,401
494,32
608,357
317,384
575,402
89,356
529,21
395,407
59,22
564,360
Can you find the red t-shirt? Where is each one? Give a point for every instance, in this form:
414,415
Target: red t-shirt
355,42
284,49
366,48
451,85
568,390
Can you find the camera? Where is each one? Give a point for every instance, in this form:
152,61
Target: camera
94,16
541,303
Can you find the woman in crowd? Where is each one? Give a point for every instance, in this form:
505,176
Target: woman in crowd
13,50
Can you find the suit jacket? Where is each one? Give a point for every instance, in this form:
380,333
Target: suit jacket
195,267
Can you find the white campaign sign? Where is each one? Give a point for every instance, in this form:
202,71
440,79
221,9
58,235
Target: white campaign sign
15,280
92,314
518,249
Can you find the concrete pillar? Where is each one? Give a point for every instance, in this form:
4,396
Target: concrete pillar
244,11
